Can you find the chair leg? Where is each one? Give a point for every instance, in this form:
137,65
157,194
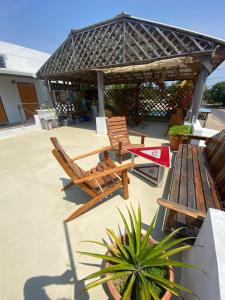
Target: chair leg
92,202
125,181
67,186
84,208
106,155
171,216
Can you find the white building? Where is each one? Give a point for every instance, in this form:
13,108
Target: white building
20,90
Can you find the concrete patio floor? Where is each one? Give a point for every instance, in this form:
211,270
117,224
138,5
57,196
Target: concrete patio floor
38,251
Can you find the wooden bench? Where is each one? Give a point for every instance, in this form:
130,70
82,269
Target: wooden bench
198,182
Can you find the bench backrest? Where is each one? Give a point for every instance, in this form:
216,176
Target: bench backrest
117,131
71,168
215,151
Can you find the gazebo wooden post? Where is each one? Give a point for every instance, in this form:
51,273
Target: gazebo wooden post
199,88
100,120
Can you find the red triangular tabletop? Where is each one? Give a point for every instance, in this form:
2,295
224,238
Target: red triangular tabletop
159,155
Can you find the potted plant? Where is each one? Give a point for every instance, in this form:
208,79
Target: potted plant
136,266
178,134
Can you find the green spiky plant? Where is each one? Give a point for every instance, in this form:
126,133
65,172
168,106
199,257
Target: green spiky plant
141,266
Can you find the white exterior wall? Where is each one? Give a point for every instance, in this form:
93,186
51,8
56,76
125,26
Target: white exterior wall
20,61
208,253
10,96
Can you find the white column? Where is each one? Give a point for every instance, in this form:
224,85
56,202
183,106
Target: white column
100,121
199,89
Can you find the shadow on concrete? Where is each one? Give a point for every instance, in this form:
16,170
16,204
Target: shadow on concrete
158,232
153,129
34,288
75,195
90,125
78,284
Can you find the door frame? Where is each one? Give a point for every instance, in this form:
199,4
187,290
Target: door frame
18,82
4,112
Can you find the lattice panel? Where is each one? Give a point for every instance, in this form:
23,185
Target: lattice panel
122,40
61,59
146,102
99,46
66,109
145,42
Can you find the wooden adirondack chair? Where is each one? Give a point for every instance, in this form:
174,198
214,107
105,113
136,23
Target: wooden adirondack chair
119,137
99,182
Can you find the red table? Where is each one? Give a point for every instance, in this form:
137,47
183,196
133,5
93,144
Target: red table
154,172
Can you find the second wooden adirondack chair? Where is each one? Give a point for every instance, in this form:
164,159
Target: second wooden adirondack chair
119,137
99,182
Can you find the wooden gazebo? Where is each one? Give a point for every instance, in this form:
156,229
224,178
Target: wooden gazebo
127,49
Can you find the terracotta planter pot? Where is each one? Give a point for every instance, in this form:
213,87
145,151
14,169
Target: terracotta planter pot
174,142
115,294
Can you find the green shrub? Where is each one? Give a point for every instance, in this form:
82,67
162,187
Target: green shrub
180,130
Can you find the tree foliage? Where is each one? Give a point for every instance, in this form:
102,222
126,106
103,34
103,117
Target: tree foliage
216,94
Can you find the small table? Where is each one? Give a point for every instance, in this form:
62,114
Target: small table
203,114
154,172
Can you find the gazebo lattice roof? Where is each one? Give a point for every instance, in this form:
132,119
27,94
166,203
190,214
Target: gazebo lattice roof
125,40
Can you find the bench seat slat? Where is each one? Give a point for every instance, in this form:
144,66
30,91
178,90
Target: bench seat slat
174,196
205,182
183,193
200,201
190,180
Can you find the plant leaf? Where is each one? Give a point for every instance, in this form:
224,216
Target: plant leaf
174,251
158,249
128,290
169,237
167,282
169,288
144,285
102,256
111,269
132,228
132,255
138,231
118,242
113,249
148,233
167,262
105,279
153,293
134,215
131,240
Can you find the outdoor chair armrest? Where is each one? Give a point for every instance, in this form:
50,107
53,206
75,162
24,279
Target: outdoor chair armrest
104,173
100,150
143,136
137,133
181,209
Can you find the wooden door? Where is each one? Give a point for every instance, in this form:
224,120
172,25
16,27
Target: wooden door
3,116
28,98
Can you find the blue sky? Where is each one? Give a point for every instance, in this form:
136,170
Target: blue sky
43,25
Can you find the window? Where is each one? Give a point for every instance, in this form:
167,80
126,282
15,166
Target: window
2,61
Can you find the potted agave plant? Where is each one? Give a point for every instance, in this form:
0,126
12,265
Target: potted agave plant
136,266
178,134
